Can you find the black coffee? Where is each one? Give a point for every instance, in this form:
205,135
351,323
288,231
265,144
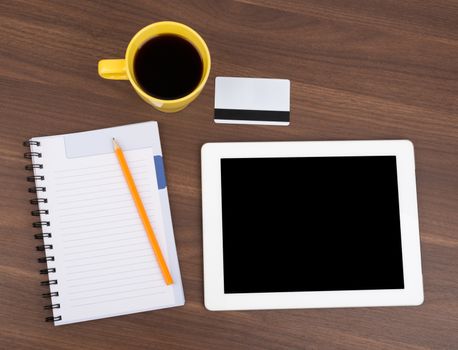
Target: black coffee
168,67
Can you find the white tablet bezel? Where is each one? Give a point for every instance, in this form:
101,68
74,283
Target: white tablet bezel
216,299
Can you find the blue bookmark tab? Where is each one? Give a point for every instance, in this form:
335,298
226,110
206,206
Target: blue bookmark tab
160,174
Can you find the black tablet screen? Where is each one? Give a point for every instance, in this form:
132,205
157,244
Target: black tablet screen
311,224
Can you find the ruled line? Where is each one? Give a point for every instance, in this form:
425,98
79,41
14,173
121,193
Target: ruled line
123,233
109,208
104,177
146,201
106,248
103,181
109,254
92,283
123,298
126,215
96,231
139,183
109,224
75,291
89,220
111,260
105,294
131,230
104,166
134,224
150,268
141,188
149,261
90,199
104,241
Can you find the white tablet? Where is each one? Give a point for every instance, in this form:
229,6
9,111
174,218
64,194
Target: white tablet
310,224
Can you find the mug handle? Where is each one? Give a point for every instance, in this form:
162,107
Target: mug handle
113,69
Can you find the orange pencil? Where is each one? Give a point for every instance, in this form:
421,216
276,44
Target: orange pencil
142,213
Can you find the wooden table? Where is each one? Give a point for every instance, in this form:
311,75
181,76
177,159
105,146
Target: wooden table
359,70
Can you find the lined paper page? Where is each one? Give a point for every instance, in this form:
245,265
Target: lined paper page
105,263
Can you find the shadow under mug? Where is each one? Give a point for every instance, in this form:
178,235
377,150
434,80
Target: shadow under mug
123,68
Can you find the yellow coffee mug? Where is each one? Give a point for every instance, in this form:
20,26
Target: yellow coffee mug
123,69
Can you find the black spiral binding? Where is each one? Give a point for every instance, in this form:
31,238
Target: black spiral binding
33,166
39,212
45,259
53,319
38,200
47,271
43,247
37,189
36,178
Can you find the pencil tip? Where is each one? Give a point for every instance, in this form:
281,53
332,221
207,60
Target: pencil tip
115,144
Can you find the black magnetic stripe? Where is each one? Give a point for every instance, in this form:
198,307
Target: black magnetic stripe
246,114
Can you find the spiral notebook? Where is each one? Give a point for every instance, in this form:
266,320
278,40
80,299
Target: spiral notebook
97,257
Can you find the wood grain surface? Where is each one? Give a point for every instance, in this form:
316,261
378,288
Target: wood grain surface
359,70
